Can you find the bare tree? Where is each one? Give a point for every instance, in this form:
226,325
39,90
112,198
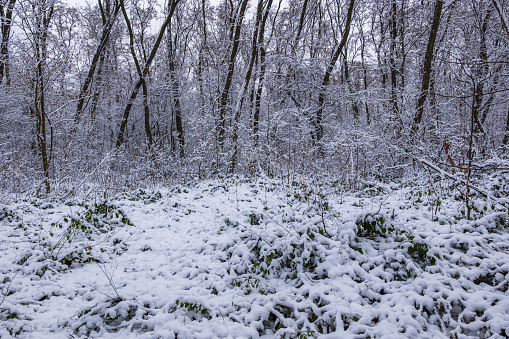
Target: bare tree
37,15
318,134
109,12
236,26
427,69
139,71
6,8
134,93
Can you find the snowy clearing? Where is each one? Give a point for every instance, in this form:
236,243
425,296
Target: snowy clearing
252,258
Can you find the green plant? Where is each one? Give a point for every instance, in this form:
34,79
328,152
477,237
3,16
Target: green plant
141,195
370,226
193,310
85,225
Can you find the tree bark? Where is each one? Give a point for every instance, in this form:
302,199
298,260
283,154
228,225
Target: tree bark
258,36
301,24
328,72
503,18
140,74
229,76
505,142
175,95
6,24
108,21
43,14
426,75
393,100
139,83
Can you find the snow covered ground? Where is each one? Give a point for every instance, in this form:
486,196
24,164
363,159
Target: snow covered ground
245,258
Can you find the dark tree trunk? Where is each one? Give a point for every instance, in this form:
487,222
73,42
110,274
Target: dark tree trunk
258,36
175,96
426,75
148,132
393,100
41,26
108,21
348,80
301,24
97,91
503,18
6,8
326,78
139,83
229,76
505,142
481,110
364,73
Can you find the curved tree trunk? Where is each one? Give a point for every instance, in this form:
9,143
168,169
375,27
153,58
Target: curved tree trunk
139,83
108,18
139,71
426,75
318,134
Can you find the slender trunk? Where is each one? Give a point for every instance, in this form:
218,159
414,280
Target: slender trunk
229,76
201,58
6,24
97,92
505,142
364,73
148,132
503,18
139,83
426,75
175,94
108,21
42,21
258,36
348,80
393,100
328,72
482,70
301,24
258,96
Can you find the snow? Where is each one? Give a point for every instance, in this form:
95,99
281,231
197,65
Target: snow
249,258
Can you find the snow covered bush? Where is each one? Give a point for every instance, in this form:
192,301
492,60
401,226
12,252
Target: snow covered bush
254,258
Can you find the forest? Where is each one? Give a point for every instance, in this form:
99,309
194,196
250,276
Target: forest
263,168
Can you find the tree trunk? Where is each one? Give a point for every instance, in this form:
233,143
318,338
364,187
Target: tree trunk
140,74
426,75
505,142
139,83
258,36
6,24
364,73
348,80
393,100
229,76
97,91
301,25
108,21
175,95
40,32
503,18
328,72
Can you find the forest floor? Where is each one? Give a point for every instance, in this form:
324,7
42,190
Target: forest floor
243,258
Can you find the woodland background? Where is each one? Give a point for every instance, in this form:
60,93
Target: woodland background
117,94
